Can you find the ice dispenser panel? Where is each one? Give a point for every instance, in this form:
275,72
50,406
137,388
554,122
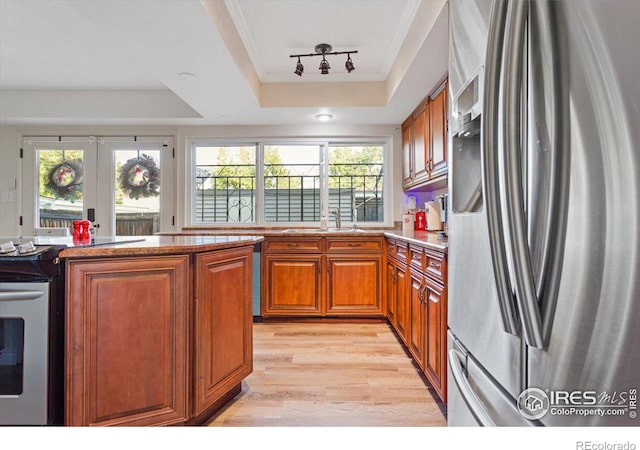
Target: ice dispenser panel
466,166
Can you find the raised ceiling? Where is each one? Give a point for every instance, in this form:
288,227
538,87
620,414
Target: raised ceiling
273,30
119,61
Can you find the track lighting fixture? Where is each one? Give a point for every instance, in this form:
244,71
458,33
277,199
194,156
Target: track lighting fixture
322,50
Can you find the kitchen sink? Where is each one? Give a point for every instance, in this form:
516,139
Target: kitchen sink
320,230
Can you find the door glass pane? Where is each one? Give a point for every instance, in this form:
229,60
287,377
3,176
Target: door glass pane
356,182
225,184
60,185
11,356
137,192
291,183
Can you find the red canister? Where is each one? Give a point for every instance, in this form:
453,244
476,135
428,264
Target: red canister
420,223
86,233
77,229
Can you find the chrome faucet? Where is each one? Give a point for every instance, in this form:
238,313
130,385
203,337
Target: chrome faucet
336,212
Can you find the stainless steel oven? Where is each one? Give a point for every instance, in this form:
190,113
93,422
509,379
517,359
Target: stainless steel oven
31,336
24,342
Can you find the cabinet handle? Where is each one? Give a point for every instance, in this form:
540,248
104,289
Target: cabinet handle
424,294
421,293
434,265
352,244
293,245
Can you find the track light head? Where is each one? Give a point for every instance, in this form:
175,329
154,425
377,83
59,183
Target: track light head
324,66
299,68
349,64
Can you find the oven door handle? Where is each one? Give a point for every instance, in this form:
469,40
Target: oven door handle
7,296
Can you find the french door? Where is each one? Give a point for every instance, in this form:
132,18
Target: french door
124,183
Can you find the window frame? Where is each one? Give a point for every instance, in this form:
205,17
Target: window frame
323,147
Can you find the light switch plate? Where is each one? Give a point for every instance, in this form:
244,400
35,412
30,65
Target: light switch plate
7,197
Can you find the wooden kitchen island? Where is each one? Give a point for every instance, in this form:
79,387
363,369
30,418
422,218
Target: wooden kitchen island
158,332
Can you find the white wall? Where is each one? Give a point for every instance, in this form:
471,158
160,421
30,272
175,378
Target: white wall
11,138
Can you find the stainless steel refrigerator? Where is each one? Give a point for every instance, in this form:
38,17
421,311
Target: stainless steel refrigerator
544,216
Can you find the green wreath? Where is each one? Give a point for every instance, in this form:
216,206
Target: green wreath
65,180
140,177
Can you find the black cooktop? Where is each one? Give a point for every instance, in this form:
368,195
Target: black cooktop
21,261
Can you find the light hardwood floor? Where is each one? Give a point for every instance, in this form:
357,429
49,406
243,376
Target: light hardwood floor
330,374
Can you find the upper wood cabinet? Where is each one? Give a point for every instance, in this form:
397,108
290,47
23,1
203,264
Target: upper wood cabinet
127,341
421,143
439,126
223,324
407,151
424,141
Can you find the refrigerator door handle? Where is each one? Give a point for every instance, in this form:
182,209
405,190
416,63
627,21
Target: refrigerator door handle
552,256
490,114
511,158
476,407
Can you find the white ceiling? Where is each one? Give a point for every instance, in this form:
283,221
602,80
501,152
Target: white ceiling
118,61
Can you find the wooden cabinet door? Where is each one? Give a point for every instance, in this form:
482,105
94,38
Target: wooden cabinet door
223,324
421,143
292,285
417,329
127,341
354,285
391,289
436,357
403,307
438,156
407,153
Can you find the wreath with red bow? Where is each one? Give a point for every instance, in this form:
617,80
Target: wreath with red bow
65,180
140,177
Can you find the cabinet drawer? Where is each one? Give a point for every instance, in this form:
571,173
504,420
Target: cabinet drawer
391,247
402,248
293,245
360,245
416,257
435,265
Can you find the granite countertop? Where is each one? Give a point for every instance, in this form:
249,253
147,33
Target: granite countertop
428,239
159,245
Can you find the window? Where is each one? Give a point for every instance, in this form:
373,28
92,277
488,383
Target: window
225,184
291,183
356,182
298,182
60,186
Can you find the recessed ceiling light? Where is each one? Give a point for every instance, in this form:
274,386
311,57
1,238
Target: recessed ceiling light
186,75
324,117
